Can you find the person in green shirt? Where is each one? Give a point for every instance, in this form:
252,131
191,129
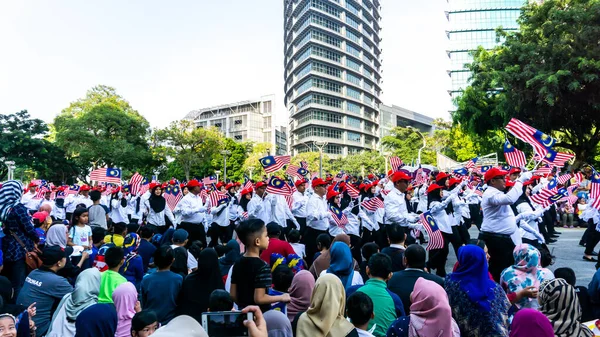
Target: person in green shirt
387,306
111,278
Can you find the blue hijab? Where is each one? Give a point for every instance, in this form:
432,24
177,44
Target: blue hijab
472,276
98,320
341,264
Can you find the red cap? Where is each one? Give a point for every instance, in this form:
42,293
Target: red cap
514,170
390,172
441,176
331,193
116,190
84,188
433,187
194,183
371,176
493,173
260,184
246,191
509,183
237,183
164,185
300,182
362,186
453,181
172,182
342,186
182,185
219,184
153,186
230,185
40,216
32,184
399,176
318,182
532,180
329,179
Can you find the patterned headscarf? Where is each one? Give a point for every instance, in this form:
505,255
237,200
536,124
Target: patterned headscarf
560,304
526,272
10,196
131,244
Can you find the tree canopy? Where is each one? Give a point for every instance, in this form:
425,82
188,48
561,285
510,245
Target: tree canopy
547,75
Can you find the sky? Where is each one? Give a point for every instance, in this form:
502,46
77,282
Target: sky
168,58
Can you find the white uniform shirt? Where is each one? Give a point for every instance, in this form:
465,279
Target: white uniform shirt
118,213
220,214
157,219
281,210
442,219
317,214
299,205
191,209
396,211
498,216
28,201
259,208
74,200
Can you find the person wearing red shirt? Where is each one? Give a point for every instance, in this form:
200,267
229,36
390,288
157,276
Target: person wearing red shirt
275,245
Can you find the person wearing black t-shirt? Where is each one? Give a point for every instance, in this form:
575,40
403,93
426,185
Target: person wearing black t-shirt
251,276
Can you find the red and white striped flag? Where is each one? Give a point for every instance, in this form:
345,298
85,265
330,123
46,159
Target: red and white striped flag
135,183
579,177
217,199
564,178
557,158
436,240
274,163
352,191
338,216
595,189
106,175
396,163
471,163
373,204
540,141
514,157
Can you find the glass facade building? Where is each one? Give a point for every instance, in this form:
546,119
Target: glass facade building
473,23
332,74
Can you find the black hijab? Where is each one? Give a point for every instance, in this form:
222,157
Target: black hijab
232,256
197,286
157,202
244,202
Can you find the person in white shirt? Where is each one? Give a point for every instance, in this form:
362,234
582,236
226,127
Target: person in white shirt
259,207
73,200
499,221
118,207
192,212
370,222
46,201
317,218
156,208
299,205
219,228
395,204
28,199
281,213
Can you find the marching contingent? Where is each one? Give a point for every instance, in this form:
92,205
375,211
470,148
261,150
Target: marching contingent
308,255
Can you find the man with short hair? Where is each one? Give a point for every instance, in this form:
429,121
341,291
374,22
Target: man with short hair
396,237
403,282
184,261
396,211
45,288
259,207
28,199
317,218
192,212
299,205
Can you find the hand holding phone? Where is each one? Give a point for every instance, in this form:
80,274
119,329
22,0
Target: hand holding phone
258,326
227,323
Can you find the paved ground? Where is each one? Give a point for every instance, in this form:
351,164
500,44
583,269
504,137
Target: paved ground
567,251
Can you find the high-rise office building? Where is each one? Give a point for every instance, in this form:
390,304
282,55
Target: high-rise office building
473,23
332,74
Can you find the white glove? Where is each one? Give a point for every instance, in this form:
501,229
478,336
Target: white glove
414,218
525,176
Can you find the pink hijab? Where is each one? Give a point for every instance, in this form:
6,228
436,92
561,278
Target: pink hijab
430,313
125,298
300,292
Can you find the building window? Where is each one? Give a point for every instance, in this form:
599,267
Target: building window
351,22
267,122
267,137
333,149
304,86
367,100
353,93
325,53
352,51
304,55
321,116
326,85
367,86
353,150
320,99
238,122
321,21
352,65
305,70
353,107
319,132
352,36
353,79
353,122
353,136
325,7
326,69
317,35
218,125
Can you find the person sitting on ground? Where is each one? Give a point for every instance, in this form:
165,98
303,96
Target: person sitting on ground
396,238
275,244
403,282
144,324
558,301
98,234
529,323
594,292
111,278
146,249
161,289
251,276
220,300
430,313
294,240
359,309
184,261
118,236
568,275
133,267
368,250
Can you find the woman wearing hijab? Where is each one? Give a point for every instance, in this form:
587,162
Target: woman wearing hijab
98,320
232,256
300,292
156,209
197,286
530,323
126,302
118,207
17,224
322,262
437,209
342,265
559,302
325,316
84,295
133,267
526,272
479,305
181,326
57,236
430,314
278,325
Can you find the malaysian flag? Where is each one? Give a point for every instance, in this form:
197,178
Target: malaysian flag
396,163
217,199
373,204
278,186
557,158
340,177
595,189
471,163
135,183
564,178
558,195
479,190
106,175
42,189
436,240
173,195
274,163
60,194
73,189
353,192
514,157
460,172
296,171
209,180
540,141
544,170
203,195
550,190
247,183
578,177
338,216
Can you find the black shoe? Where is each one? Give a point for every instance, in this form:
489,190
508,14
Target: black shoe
551,241
590,259
556,233
554,236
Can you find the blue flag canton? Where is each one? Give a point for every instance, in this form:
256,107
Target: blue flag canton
338,213
267,161
550,155
74,187
506,167
486,168
431,221
277,183
552,184
175,189
126,188
461,171
113,172
596,178
559,195
302,171
545,140
508,147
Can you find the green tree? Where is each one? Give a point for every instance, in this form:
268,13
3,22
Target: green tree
101,130
255,152
235,160
547,75
405,143
22,141
363,163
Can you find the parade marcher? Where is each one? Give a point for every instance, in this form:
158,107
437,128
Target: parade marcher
259,206
437,209
73,200
395,204
118,207
220,226
192,211
370,225
156,208
281,213
317,218
299,206
29,199
499,221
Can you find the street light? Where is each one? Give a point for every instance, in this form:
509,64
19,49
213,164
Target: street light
386,156
320,145
424,143
217,172
11,167
251,169
225,153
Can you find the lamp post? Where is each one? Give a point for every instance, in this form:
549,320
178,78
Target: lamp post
320,145
424,143
11,167
217,173
225,153
386,156
251,169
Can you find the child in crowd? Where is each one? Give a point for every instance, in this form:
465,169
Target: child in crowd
294,239
251,276
146,249
118,236
220,300
98,215
98,234
368,250
323,243
133,267
41,222
184,261
282,280
144,324
80,233
111,278
160,289
568,275
395,251
359,309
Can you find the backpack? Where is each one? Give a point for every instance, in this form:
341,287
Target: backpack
99,262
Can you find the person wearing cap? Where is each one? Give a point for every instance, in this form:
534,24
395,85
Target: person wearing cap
529,230
45,287
118,207
300,201
156,209
395,203
259,207
460,212
184,261
220,227
28,199
370,225
513,173
317,218
73,200
499,221
192,211
281,213
46,201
